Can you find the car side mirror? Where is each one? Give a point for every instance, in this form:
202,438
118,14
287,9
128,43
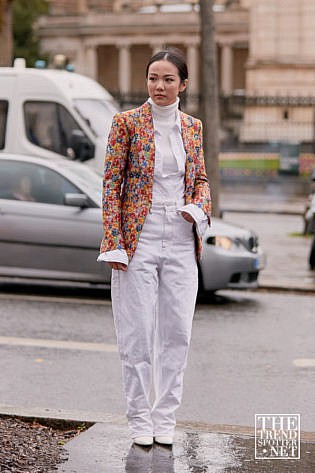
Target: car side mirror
76,200
82,147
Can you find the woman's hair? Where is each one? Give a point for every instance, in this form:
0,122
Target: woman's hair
173,55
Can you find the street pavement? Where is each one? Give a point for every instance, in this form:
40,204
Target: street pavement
286,248
106,447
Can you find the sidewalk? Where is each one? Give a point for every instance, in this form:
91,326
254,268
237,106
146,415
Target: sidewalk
106,448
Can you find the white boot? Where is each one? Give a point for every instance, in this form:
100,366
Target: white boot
164,439
145,440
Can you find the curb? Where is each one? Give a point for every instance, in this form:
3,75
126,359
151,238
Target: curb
77,418
280,288
262,211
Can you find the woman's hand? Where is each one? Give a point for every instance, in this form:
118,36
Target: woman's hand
119,266
188,217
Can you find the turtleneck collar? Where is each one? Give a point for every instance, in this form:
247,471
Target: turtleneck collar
166,112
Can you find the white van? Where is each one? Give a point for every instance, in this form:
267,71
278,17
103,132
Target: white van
48,113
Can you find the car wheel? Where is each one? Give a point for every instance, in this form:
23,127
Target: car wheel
312,255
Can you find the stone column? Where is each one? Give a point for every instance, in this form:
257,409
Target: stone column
91,62
80,57
117,5
82,6
227,69
193,82
124,69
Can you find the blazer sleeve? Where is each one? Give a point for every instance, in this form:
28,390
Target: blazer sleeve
201,195
115,163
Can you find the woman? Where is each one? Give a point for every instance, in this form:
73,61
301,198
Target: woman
156,204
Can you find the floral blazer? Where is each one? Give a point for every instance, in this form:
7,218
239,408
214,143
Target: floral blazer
128,176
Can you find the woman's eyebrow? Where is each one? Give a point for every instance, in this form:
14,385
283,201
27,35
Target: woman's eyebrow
165,75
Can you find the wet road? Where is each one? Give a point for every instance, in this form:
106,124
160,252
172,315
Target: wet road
251,352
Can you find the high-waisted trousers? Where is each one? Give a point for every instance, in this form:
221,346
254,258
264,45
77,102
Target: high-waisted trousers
153,305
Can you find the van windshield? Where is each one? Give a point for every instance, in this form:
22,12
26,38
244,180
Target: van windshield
97,113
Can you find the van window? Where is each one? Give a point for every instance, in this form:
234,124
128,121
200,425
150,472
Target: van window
3,121
50,126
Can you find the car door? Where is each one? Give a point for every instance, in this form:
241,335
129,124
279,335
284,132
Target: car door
40,236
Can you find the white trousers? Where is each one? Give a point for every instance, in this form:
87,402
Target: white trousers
153,305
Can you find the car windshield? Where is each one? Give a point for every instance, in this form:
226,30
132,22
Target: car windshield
97,113
87,179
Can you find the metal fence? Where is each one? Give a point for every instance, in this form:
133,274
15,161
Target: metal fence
235,128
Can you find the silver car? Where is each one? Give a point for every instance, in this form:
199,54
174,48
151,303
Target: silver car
51,228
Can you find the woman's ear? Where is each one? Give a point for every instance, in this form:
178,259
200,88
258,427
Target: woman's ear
183,85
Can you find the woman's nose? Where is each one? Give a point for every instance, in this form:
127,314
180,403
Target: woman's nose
160,84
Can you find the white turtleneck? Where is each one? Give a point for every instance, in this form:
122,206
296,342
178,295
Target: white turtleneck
170,156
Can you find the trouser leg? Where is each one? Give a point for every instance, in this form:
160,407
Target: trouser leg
133,302
164,269
178,284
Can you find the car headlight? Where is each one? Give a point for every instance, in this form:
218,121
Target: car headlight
224,242
228,243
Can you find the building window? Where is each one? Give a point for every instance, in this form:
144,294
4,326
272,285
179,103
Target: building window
285,114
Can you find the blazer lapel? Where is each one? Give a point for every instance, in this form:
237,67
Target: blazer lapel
146,137
189,146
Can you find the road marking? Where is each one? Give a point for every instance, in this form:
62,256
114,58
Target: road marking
304,362
59,344
63,300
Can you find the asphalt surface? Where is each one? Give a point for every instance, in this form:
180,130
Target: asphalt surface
202,447
278,221
249,347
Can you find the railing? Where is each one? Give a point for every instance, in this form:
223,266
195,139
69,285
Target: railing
292,101
232,119
135,99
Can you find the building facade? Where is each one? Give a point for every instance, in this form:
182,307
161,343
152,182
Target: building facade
112,41
266,63
280,72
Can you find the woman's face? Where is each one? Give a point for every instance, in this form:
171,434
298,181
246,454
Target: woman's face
164,83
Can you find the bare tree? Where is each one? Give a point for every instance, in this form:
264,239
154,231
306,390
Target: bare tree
210,100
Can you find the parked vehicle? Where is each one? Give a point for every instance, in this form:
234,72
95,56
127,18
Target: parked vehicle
51,228
48,113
